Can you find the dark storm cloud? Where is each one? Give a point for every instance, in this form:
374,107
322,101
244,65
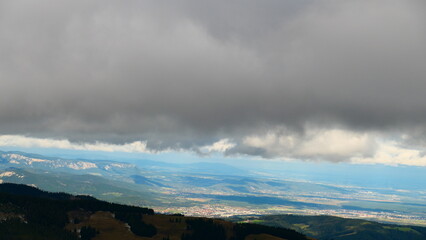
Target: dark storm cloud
187,73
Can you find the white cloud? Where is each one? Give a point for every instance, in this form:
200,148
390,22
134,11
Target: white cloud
336,142
332,145
23,141
391,153
219,146
338,145
274,143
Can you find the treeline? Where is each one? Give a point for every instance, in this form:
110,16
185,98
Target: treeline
21,194
242,230
54,212
207,229
46,213
15,229
137,226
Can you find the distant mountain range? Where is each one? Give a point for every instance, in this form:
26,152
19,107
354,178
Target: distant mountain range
27,160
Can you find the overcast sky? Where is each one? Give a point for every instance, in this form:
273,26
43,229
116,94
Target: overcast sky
295,79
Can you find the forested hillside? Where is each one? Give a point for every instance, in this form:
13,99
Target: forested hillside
29,213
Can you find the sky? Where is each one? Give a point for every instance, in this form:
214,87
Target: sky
313,80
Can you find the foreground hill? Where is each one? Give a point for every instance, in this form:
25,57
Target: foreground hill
336,228
29,213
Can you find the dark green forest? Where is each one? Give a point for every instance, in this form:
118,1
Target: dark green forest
30,213
45,214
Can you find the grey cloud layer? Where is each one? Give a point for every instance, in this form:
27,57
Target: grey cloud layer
187,73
